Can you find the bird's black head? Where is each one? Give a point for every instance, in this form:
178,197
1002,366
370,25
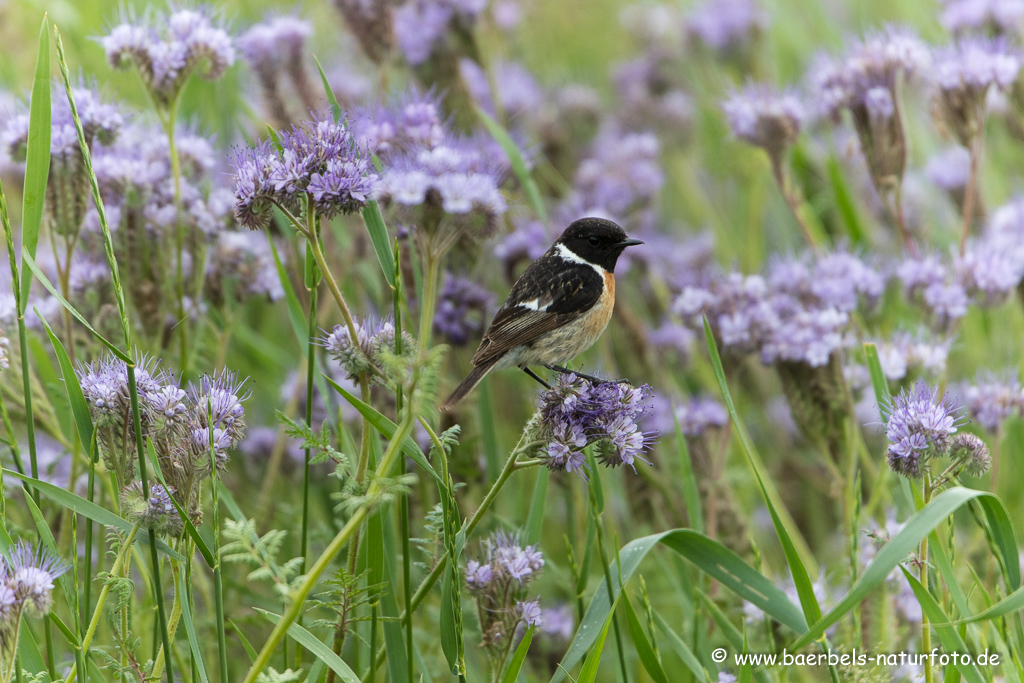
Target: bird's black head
597,241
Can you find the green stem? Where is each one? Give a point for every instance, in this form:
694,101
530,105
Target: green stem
926,634
179,236
310,368
608,581
298,598
97,612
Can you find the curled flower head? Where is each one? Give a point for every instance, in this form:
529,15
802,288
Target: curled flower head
577,412
375,339
156,512
318,160
982,16
31,574
412,120
919,425
765,117
169,48
498,583
972,451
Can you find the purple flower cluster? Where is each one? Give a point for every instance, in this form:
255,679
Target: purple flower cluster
319,159
410,121
992,399
526,243
622,174
375,339
726,25
27,579
950,169
963,74
498,583
275,49
984,16
168,48
421,26
919,424
461,310
765,117
243,263
906,355
576,413
519,94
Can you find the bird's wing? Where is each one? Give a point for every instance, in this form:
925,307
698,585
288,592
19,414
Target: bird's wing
549,294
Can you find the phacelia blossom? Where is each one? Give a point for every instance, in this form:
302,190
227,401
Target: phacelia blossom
649,98
765,117
366,353
276,49
422,26
992,399
461,309
156,512
525,244
30,575
905,354
410,121
519,94
919,424
726,25
623,174
949,169
988,273
963,73
498,582
242,263
168,48
319,160
864,82
983,16
576,413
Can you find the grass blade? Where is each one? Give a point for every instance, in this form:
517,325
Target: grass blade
517,161
681,648
79,408
691,494
589,672
515,665
335,107
37,164
535,518
190,629
386,427
378,231
785,529
316,646
644,649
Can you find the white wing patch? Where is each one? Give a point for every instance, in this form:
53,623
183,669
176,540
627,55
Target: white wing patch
533,305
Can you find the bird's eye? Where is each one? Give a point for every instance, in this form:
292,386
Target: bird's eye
594,241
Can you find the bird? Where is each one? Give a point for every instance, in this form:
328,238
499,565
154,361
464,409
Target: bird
557,308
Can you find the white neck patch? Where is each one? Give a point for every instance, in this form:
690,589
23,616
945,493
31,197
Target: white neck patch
568,255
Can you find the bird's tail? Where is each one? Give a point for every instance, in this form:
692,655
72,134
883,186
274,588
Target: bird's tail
467,385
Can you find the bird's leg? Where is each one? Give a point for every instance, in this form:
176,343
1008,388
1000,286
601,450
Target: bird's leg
534,375
590,378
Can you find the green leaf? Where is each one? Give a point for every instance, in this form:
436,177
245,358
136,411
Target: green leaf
30,262
517,161
190,628
891,554
878,381
335,107
375,548
691,494
246,645
316,647
449,632
394,634
948,635
706,554
1011,603
28,650
681,648
378,231
1004,538
535,518
79,408
37,165
644,649
386,427
588,674
844,201
80,506
515,665
785,529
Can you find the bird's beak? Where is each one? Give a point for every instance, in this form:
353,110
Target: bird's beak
630,242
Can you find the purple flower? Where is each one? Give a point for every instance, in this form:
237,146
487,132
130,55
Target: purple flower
808,335
1003,16
988,273
726,25
920,273
319,158
518,91
529,612
840,279
948,302
461,310
526,243
673,338
765,117
559,622
411,120
478,576
576,413
949,169
623,174
245,260
218,402
918,424
374,337
269,45
992,399
963,73
31,573
421,25
905,353
168,48
509,560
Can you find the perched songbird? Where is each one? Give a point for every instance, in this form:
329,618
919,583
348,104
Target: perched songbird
558,307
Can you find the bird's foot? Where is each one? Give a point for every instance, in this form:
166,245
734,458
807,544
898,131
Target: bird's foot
589,378
534,375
